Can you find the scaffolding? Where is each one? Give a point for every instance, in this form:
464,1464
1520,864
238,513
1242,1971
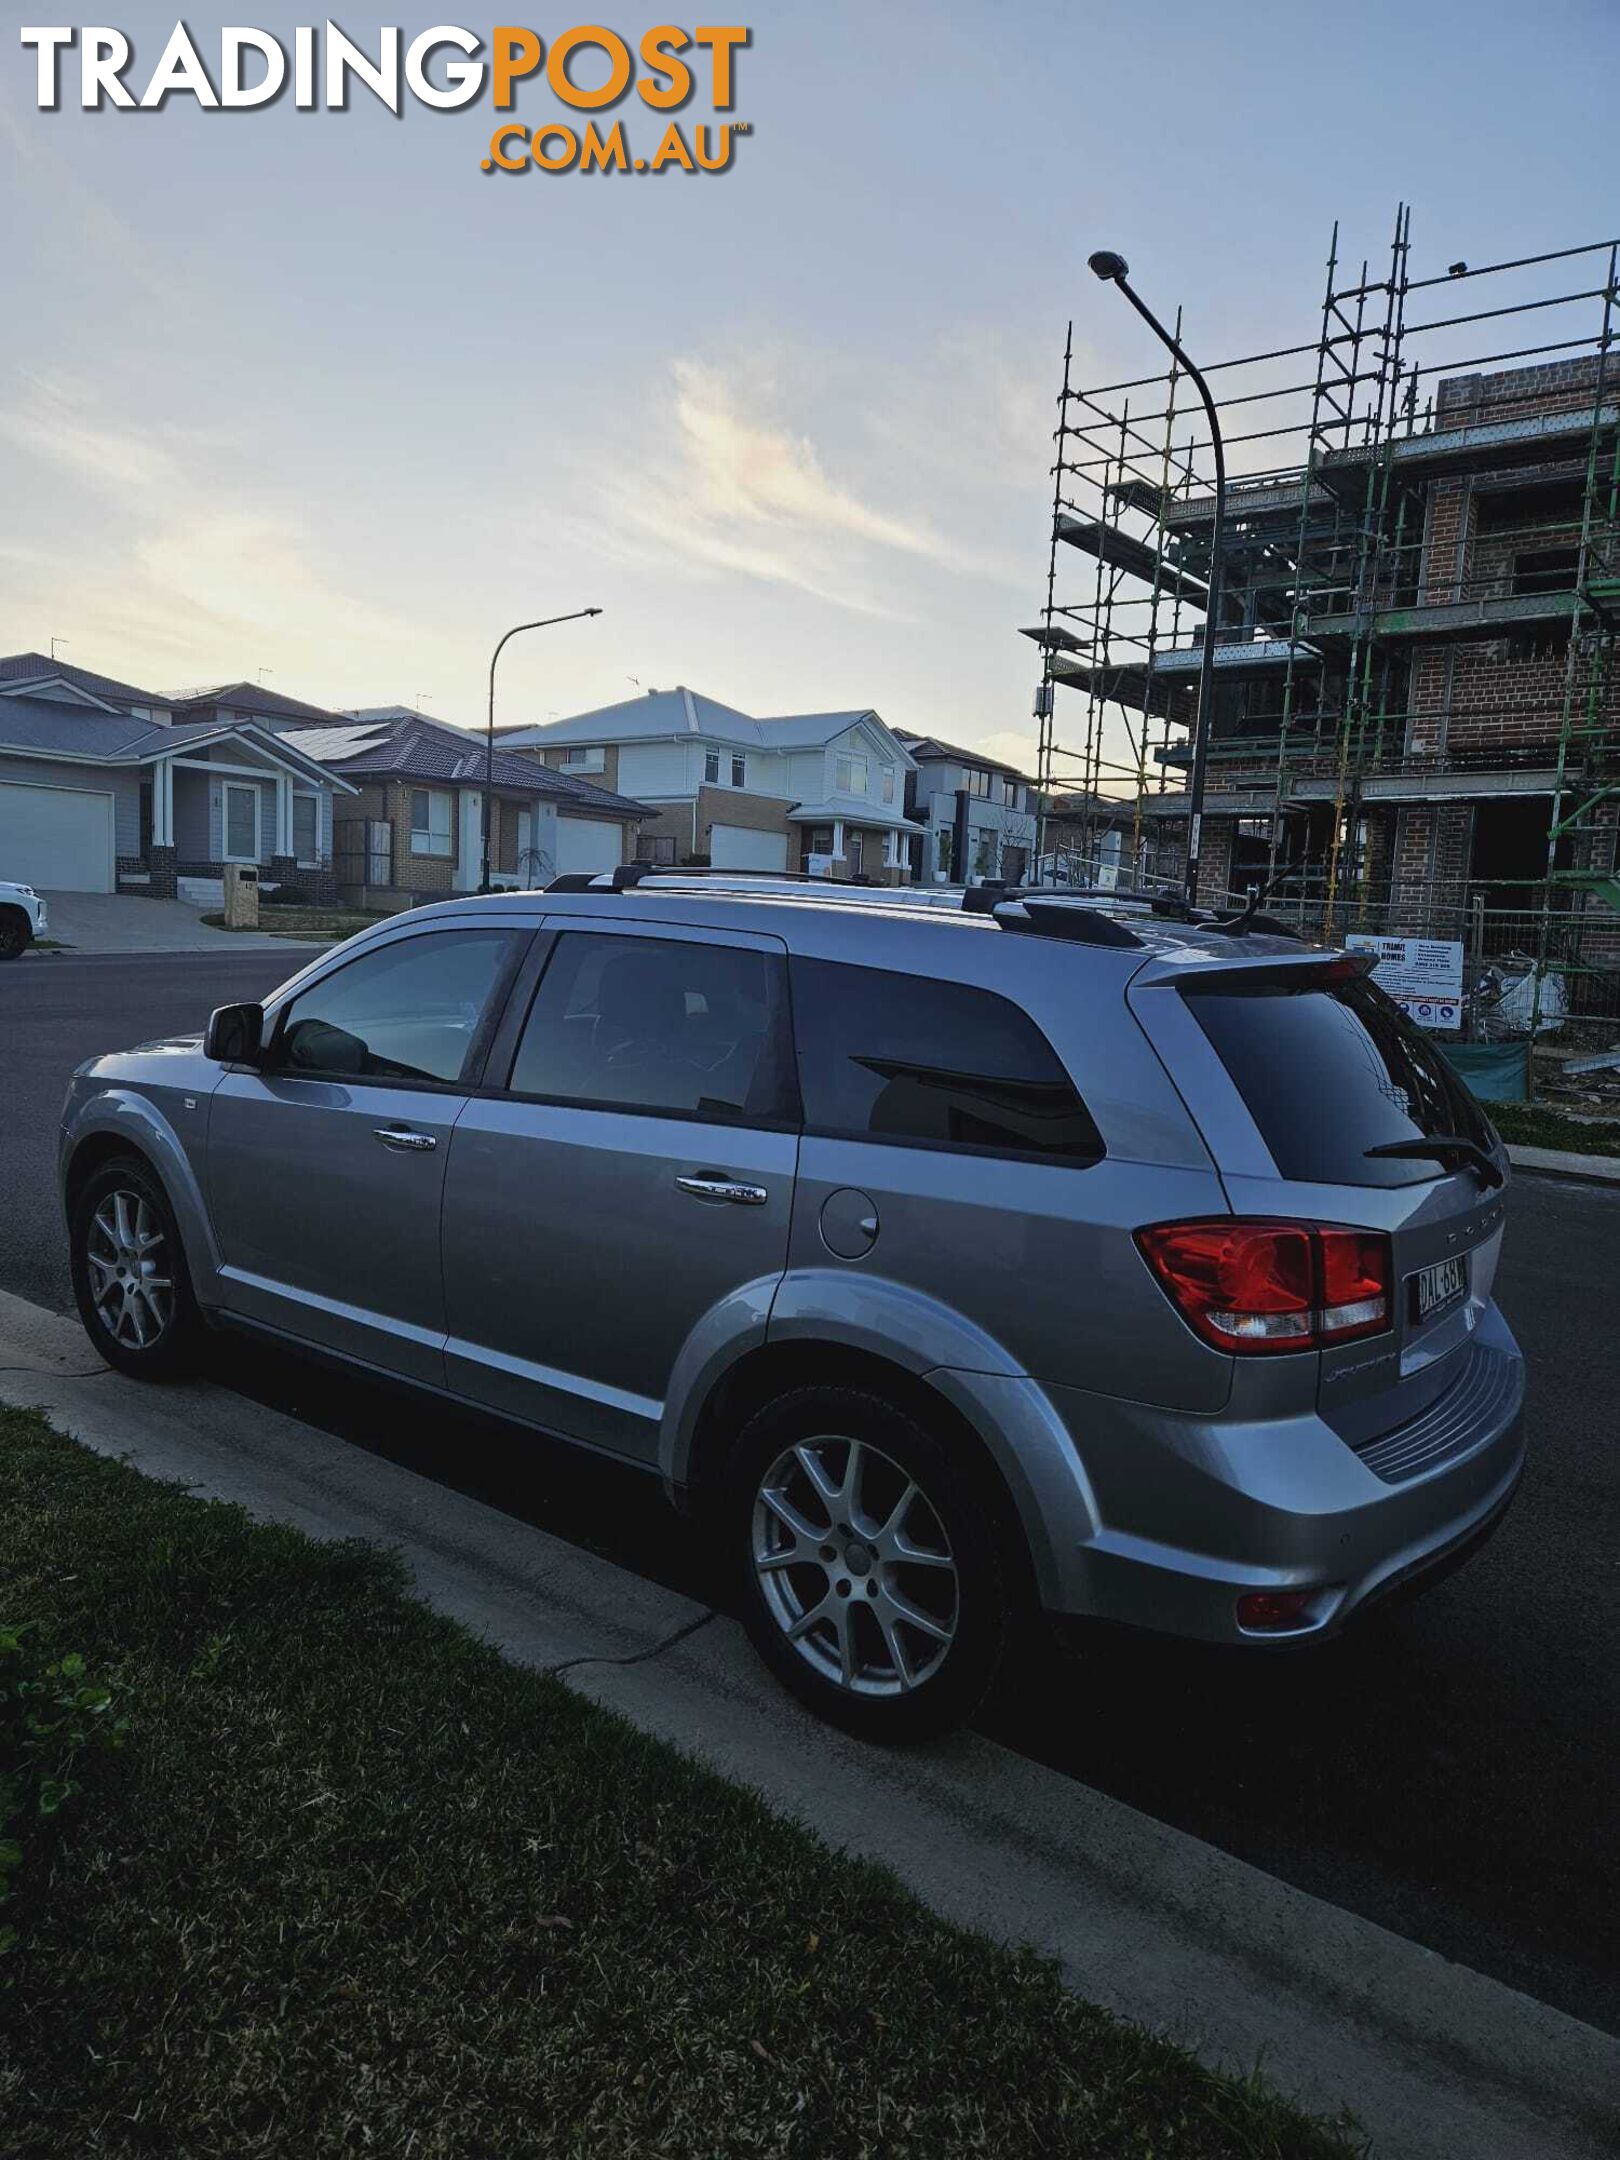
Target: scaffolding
1420,603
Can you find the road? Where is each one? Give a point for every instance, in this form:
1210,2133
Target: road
1448,1772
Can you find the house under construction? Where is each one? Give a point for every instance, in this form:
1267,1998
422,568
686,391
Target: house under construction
1416,714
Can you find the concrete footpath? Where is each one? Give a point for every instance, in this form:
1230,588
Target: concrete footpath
1559,1162
1435,2061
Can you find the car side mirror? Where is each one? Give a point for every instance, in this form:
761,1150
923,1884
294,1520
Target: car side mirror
235,1035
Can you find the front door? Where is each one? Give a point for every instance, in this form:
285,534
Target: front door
632,1178
326,1164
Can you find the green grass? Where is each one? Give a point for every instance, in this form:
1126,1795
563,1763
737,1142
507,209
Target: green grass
355,1883
295,922
1535,1125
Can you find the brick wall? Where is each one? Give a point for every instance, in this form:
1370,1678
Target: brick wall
735,806
608,777
673,822
1433,845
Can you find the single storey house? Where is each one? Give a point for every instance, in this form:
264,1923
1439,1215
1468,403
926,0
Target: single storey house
413,824
106,787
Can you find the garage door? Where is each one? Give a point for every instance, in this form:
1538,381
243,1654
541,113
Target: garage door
587,844
59,839
734,847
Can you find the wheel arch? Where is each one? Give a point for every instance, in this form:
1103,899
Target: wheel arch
779,1368
125,1123
91,1152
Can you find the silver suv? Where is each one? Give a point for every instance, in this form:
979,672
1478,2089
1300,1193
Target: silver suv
956,1261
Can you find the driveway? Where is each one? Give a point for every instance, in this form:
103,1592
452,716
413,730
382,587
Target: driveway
130,923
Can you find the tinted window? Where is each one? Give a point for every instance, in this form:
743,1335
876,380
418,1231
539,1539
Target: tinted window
897,1057
1328,1073
659,1024
410,1011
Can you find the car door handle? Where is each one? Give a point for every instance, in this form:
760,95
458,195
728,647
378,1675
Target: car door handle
403,1140
711,1185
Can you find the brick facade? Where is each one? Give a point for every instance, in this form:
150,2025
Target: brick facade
1436,711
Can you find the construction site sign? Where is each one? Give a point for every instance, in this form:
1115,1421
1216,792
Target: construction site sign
1423,975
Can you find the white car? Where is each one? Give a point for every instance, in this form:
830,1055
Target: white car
22,919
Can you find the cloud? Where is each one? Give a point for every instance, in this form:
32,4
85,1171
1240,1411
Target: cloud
170,561
726,486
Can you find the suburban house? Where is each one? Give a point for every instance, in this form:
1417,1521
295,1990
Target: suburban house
106,787
822,792
977,814
413,824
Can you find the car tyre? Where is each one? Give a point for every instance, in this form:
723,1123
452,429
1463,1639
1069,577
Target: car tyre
129,1273
876,1580
16,933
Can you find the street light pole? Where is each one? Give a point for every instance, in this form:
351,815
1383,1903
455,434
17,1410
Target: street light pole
1114,270
516,630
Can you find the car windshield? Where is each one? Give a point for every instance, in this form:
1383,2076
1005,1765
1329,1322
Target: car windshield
1330,1070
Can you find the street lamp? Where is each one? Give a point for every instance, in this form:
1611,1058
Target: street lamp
1115,270
517,629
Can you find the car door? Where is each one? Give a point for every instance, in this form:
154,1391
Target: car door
627,1175
326,1162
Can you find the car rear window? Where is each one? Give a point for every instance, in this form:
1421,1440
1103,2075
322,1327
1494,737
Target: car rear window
884,1056
1329,1071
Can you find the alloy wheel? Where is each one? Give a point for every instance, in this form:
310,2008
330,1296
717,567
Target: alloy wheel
131,1285
854,1566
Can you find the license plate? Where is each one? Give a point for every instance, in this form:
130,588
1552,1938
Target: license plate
1434,1288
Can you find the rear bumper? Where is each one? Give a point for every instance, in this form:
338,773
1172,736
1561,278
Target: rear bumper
1190,1514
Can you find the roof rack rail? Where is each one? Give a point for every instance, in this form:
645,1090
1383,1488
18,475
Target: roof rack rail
626,876
1046,916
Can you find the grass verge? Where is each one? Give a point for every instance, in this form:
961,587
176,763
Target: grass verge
292,922
1534,1125
354,1882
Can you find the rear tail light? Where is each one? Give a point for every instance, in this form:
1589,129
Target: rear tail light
1261,1287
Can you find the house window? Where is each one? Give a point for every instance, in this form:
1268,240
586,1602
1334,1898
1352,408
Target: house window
850,776
711,767
1546,570
306,828
585,760
739,772
241,823
978,782
888,783
431,812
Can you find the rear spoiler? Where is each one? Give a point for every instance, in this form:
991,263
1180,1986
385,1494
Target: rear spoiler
1192,970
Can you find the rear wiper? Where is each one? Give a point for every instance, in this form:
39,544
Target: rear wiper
1450,1148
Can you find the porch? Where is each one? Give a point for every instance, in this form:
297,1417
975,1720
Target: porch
873,846
203,806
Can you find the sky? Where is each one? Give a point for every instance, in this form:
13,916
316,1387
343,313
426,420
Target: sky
309,397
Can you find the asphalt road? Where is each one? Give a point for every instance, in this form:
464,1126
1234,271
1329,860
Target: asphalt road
1450,1771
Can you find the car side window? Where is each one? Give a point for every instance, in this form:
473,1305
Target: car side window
884,1056
412,1010
660,1024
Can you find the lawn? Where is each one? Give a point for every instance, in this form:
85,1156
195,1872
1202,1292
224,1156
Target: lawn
355,1883
298,922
